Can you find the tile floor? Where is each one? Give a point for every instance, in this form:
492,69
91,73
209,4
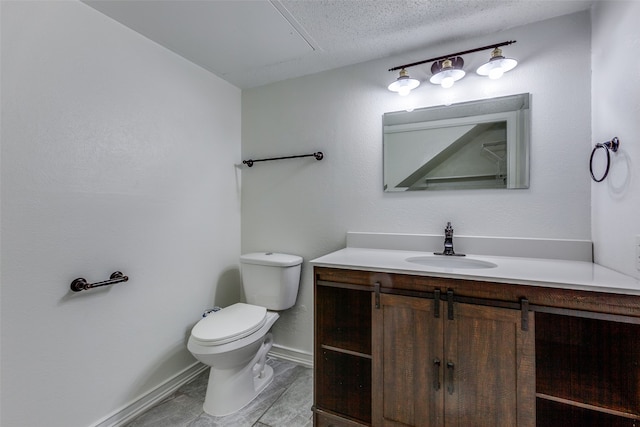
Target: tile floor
286,402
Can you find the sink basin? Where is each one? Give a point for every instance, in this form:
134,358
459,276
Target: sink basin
450,262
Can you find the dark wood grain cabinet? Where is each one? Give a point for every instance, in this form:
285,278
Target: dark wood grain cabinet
342,359
430,370
408,350
588,371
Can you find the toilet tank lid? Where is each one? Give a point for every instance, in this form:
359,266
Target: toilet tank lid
271,258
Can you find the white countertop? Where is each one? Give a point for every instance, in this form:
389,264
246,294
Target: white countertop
578,275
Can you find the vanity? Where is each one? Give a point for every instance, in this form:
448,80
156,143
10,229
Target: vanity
405,338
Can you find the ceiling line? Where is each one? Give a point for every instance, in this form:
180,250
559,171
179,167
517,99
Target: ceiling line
295,24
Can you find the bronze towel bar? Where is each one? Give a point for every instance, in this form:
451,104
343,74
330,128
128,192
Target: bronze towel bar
81,284
318,155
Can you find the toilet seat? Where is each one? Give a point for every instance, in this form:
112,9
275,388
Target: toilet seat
229,324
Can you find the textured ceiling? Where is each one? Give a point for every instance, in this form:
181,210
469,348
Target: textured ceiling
255,42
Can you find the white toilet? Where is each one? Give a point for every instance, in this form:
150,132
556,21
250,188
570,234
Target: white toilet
235,340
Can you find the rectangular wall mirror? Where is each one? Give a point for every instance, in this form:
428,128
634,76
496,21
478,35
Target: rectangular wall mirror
476,144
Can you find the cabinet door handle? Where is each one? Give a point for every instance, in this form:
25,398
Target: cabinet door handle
450,367
436,374
524,306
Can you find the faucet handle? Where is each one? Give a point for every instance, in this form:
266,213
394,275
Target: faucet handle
448,231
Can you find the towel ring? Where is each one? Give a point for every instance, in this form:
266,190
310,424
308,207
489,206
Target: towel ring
607,146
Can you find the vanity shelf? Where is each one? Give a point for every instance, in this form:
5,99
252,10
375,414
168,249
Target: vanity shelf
342,355
587,369
345,319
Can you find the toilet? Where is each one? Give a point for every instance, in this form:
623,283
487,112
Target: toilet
235,340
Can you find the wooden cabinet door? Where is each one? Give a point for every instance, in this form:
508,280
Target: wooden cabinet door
489,368
477,370
407,343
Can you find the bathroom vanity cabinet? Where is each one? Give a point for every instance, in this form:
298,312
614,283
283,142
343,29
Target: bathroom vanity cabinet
397,349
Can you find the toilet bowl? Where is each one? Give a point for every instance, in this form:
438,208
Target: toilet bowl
235,340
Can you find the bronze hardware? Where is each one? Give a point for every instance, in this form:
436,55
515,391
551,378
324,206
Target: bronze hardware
436,374
81,284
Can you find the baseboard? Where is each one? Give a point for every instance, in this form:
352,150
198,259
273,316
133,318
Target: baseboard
136,407
131,410
292,355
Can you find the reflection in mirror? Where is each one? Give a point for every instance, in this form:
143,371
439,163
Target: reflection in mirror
477,144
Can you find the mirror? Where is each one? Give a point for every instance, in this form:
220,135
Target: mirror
476,144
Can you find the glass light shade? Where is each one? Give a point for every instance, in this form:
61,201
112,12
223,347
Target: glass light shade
404,84
497,65
446,72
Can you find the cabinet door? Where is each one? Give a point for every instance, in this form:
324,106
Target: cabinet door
407,361
490,368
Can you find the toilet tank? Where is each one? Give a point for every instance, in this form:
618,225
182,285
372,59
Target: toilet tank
271,279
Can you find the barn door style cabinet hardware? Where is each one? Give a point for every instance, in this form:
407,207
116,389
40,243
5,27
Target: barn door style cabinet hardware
421,351
478,352
81,284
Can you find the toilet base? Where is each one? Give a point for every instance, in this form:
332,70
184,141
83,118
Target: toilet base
230,390
263,382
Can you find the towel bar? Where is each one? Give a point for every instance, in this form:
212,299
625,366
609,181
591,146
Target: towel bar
81,284
318,155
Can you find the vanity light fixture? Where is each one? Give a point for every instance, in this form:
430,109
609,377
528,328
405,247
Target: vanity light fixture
447,72
497,65
447,69
404,84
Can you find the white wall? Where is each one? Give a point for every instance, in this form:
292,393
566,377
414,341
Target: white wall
615,112
305,207
116,155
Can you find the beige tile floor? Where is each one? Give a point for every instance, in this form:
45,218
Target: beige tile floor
286,402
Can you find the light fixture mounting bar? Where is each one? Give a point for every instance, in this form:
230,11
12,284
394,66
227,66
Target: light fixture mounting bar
491,46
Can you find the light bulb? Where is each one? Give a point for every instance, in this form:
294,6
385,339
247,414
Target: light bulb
496,73
447,82
404,90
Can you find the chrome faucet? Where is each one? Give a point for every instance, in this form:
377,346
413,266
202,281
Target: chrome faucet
448,242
